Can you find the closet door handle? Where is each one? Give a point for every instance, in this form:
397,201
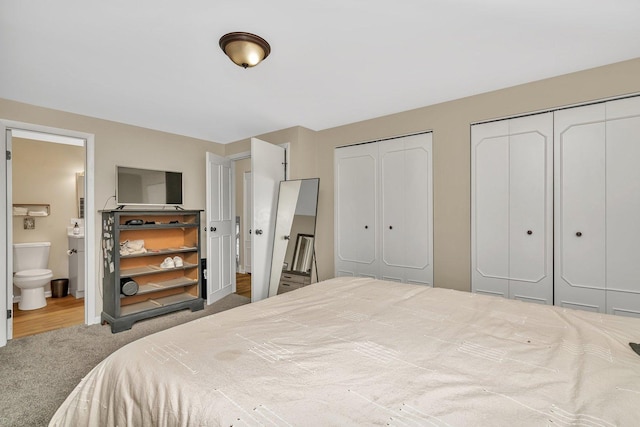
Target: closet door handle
366,226
579,233
529,232
391,227
258,232
213,229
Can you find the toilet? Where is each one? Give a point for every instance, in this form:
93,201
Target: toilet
30,273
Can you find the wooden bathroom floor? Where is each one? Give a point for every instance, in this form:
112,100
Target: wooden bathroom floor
243,284
58,313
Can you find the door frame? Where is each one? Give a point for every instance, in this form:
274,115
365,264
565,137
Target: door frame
6,239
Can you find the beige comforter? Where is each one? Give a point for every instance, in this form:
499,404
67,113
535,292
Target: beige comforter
366,352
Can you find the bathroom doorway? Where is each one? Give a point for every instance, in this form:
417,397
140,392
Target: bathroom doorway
47,202
47,173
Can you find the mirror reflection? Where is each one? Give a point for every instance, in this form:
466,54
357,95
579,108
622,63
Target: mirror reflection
295,228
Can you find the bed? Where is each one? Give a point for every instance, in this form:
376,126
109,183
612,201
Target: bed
357,351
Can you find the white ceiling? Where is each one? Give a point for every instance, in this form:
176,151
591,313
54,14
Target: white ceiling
157,64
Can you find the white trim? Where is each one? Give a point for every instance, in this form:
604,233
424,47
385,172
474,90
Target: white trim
47,137
240,156
562,107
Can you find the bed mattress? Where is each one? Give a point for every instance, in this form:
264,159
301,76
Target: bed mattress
355,351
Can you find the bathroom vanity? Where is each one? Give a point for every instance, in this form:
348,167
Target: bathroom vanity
76,266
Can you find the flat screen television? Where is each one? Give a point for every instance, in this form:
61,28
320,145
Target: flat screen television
135,186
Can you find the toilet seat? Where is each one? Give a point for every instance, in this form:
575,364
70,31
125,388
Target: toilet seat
29,274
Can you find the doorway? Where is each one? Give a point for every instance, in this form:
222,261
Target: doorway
32,179
46,205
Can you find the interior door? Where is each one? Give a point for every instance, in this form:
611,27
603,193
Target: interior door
530,212
580,207
221,278
490,208
511,208
356,222
623,207
267,170
406,232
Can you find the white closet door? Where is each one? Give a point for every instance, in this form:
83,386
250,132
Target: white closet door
406,209
530,212
580,207
623,206
511,204
356,192
490,208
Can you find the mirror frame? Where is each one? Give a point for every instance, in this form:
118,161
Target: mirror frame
285,215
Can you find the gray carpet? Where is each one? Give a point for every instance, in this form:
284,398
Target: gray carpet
38,372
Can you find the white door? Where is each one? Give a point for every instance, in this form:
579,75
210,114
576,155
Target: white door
580,208
247,222
623,207
530,211
6,255
406,210
267,170
597,207
356,201
221,278
511,205
490,208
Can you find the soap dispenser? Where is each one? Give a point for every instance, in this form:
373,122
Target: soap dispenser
76,229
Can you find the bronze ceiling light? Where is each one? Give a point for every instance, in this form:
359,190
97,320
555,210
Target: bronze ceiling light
245,49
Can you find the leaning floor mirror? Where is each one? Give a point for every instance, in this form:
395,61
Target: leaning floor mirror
294,237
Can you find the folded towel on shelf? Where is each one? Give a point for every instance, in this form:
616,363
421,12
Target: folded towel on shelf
19,210
38,213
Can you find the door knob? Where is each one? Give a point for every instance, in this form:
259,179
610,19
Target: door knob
287,237
213,229
529,232
391,227
579,233
366,226
258,232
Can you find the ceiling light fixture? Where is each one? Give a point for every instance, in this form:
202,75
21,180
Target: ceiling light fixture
245,49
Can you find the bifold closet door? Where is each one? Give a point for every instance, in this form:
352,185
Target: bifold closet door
597,205
406,209
511,207
356,199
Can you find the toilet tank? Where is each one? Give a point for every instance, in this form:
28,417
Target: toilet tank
29,256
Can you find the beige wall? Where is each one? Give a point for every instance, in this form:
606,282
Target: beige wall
44,172
121,144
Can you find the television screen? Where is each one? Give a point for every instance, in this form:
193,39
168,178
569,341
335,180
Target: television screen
136,186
